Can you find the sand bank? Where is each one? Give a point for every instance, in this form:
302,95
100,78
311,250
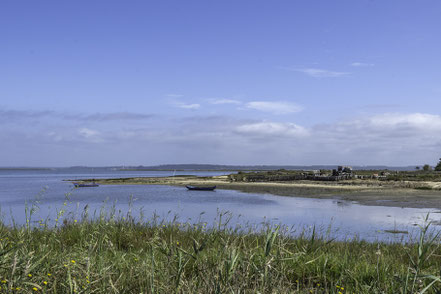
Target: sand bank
370,192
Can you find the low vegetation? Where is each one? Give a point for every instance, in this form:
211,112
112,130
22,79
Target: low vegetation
121,255
430,176
362,175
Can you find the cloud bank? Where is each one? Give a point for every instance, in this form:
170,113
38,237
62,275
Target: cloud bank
62,139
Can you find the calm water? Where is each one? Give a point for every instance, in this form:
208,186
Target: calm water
48,192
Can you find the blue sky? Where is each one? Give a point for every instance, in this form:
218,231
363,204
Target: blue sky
223,82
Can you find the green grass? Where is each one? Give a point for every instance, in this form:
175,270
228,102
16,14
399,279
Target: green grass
110,255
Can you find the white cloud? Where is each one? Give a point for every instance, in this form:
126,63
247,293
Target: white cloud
272,129
384,132
275,107
420,121
318,72
190,106
322,73
187,106
88,133
105,117
361,64
225,101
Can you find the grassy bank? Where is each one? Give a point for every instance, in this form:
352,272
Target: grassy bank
124,256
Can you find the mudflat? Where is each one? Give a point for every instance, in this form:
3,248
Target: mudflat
366,192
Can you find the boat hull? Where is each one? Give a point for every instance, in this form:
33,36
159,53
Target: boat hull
81,185
196,188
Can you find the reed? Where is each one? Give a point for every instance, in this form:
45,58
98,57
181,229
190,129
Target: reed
109,254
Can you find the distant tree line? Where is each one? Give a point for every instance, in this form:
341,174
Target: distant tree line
438,166
427,167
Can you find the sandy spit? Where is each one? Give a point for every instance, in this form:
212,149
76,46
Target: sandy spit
370,192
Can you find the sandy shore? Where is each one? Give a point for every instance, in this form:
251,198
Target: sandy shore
371,192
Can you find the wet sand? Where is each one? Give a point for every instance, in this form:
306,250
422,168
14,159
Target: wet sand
366,192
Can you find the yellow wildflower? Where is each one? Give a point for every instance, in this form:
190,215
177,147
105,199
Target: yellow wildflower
30,276
49,275
45,282
4,281
73,261
35,289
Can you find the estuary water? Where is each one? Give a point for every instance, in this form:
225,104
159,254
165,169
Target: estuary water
46,197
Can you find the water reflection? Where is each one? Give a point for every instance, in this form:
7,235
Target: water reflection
342,219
